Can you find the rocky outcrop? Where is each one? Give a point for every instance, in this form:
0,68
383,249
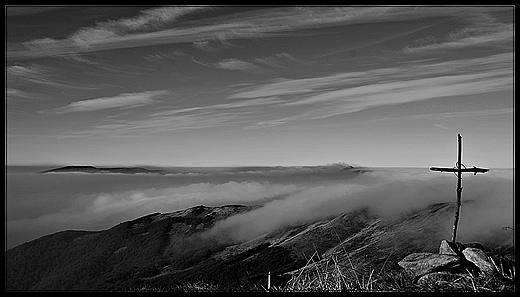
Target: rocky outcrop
453,260
480,259
420,264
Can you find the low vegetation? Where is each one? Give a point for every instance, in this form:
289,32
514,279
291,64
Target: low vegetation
331,277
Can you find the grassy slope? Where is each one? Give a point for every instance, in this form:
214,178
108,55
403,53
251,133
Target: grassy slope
367,260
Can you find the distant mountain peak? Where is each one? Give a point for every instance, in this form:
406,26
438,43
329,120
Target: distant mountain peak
93,169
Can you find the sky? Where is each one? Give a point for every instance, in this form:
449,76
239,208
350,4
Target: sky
265,86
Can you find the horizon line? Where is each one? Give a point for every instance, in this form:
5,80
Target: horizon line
354,165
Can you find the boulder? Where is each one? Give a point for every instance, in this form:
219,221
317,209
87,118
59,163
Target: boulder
420,264
449,248
454,260
480,259
456,248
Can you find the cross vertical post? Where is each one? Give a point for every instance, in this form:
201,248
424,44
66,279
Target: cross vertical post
459,190
459,169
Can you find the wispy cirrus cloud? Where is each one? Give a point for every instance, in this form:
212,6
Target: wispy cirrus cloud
146,20
343,93
285,101
236,64
12,93
233,64
179,119
124,100
482,30
171,54
31,81
27,72
442,120
256,65
277,60
154,26
20,74
499,65
157,124
104,35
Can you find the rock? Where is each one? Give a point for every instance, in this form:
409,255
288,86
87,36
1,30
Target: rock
480,259
449,248
420,264
454,260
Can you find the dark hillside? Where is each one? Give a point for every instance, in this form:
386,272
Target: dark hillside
27,264
168,251
112,259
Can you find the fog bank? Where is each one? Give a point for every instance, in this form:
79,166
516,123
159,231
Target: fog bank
37,205
487,203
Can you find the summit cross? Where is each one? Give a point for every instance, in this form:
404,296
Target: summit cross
458,169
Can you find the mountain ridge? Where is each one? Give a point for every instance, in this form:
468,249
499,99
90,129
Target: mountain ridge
166,250
94,169
340,167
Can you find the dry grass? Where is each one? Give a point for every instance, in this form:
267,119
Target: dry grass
329,276
339,273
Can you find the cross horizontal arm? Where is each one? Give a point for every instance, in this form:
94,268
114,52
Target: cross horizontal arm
448,169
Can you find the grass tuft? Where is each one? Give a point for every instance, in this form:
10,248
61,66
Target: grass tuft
328,275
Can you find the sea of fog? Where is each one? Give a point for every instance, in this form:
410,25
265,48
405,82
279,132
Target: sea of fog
38,204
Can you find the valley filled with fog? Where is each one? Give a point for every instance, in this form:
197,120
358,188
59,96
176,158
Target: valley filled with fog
39,204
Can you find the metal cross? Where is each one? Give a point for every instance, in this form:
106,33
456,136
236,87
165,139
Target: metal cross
459,169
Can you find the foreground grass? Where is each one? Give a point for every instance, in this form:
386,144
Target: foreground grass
330,276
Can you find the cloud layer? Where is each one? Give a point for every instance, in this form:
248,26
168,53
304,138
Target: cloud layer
486,208
289,196
308,99
385,86
156,26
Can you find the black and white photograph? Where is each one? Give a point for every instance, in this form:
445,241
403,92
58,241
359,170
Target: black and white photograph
259,148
